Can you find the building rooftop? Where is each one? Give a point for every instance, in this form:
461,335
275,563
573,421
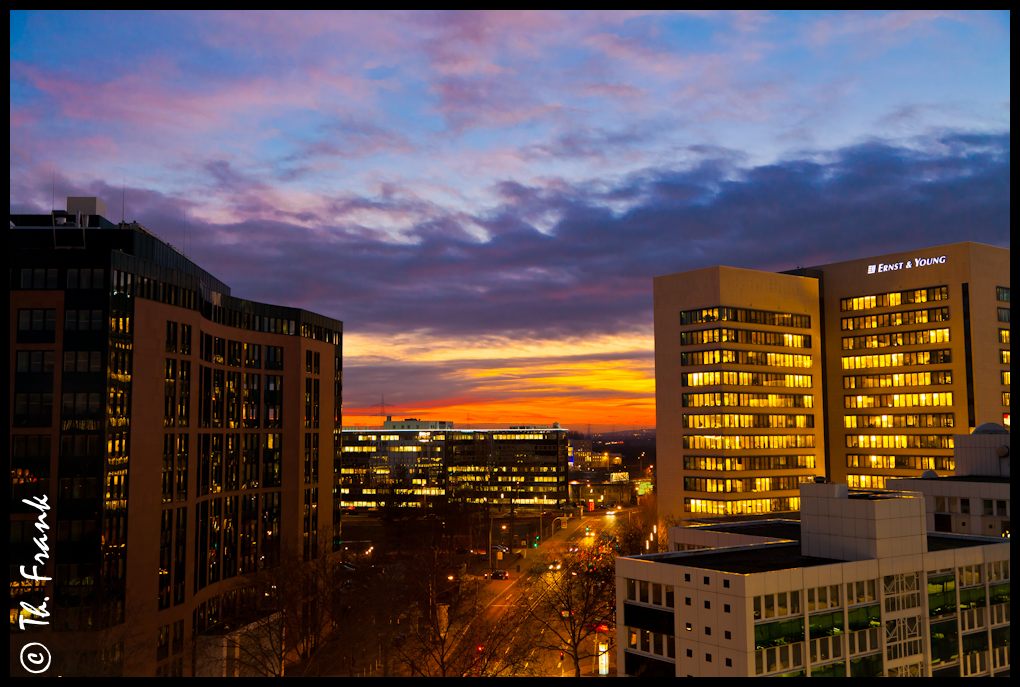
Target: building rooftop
943,541
776,529
994,479
745,560
766,557
991,428
792,516
130,247
57,219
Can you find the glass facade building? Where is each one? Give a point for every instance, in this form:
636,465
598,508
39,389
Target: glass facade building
184,438
406,466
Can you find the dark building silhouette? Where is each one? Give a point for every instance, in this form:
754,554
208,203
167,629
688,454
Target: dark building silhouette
184,439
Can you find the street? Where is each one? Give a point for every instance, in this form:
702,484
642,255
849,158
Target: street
527,587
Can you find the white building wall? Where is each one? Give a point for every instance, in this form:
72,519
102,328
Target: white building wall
894,529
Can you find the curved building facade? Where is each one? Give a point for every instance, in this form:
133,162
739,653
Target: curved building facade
183,438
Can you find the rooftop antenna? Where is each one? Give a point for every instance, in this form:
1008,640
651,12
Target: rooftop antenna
123,193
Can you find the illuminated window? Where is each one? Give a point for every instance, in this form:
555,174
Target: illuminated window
856,362
905,400
744,336
716,314
899,441
894,298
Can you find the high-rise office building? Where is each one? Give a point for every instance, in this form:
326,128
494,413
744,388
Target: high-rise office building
183,439
860,370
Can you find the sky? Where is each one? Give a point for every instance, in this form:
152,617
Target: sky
484,198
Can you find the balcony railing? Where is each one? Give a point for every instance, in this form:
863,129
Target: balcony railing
972,619
974,663
826,648
999,613
863,641
779,658
1000,657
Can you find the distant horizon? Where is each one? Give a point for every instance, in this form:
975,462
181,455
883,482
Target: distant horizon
497,425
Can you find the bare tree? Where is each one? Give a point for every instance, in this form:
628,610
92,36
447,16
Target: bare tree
279,621
579,602
242,648
451,632
642,532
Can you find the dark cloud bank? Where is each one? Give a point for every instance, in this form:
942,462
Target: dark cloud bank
591,272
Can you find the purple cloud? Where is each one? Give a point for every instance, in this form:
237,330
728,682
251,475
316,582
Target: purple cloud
591,272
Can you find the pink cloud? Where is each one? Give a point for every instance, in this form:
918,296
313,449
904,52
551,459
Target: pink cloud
147,97
882,27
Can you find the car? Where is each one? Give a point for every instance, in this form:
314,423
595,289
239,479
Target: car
574,548
556,565
499,575
500,547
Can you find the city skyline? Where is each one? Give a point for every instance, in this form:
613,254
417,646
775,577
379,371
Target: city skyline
484,198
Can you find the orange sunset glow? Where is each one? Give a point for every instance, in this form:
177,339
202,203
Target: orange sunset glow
603,382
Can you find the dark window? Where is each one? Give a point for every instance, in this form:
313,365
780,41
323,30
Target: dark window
39,278
943,522
171,336
274,357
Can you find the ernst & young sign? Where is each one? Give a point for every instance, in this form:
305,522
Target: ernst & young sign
907,264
